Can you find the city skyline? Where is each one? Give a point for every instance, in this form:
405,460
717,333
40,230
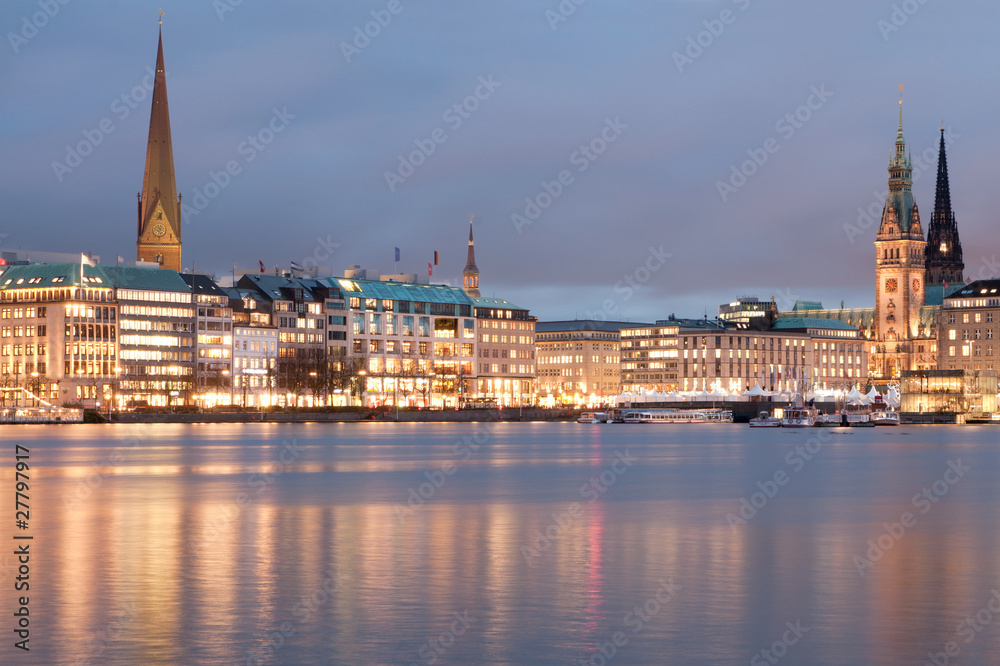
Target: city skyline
338,127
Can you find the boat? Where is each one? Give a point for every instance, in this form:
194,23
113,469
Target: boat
799,417
667,416
834,420
764,420
718,415
860,420
885,418
593,417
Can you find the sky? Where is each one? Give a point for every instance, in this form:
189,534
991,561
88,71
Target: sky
624,160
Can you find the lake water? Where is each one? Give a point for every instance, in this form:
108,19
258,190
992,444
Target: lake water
506,543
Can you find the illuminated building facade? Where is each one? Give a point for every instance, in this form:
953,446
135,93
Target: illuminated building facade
156,337
578,362
58,334
969,327
213,376
504,370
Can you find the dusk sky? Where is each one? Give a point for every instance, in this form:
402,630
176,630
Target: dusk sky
672,118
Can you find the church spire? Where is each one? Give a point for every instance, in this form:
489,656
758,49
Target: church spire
159,215
944,250
470,276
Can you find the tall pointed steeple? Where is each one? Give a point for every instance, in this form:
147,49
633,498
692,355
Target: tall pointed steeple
470,276
159,214
943,256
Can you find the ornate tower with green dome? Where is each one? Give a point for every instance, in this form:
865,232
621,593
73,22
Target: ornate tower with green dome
899,268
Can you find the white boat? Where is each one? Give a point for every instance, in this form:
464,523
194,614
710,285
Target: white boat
718,415
593,417
886,418
834,420
665,416
765,421
799,417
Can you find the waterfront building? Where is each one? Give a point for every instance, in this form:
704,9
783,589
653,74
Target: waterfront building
255,350
156,338
579,361
297,308
505,354
969,327
58,334
782,354
213,376
159,206
945,395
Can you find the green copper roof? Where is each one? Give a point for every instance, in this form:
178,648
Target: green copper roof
149,279
485,302
39,276
399,291
812,322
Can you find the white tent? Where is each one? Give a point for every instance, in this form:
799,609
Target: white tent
855,397
871,395
674,396
756,391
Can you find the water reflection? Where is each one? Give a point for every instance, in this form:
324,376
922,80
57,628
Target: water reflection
205,545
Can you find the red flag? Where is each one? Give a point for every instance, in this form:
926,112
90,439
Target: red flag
435,257
261,265
430,269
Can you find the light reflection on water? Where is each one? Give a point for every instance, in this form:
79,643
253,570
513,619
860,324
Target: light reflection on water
200,544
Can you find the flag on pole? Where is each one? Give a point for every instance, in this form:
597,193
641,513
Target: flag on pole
435,257
262,269
121,259
430,269
294,266
397,254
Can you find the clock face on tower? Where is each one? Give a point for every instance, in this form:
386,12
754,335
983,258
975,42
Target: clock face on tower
916,285
159,230
890,285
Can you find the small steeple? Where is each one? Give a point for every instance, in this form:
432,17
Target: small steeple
470,276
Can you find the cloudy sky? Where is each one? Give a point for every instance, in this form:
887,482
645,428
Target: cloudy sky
590,140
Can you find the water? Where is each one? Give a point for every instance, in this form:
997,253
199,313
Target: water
289,544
